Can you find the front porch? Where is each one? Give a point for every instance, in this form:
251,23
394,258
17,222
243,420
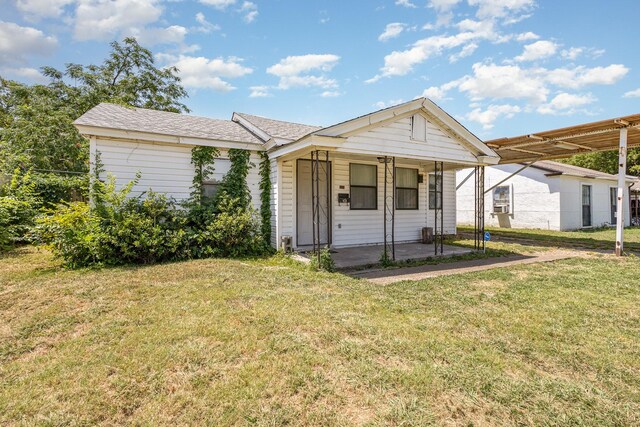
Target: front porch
360,256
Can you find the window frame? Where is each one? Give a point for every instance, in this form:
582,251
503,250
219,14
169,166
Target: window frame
433,174
508,201
417,190
351,186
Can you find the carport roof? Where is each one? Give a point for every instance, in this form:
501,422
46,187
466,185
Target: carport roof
565,142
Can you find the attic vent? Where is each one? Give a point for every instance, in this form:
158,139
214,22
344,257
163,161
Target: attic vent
418,128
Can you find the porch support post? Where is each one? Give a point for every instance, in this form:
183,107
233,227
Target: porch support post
622,174
438,212
478,234
389,207
328,182
315,204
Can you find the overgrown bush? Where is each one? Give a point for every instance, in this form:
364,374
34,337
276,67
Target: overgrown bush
19,205
119,229
53,189
27,195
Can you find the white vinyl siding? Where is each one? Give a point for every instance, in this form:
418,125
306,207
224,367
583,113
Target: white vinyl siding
359,227
394,139
164,168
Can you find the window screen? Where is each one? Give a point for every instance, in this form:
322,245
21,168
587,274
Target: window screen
435,183
364,186
406,188
210,188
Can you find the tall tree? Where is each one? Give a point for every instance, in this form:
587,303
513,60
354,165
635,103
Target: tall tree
607,161
36,120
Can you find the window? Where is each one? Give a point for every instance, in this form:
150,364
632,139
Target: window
406,188
364,186
586,206
210,188
435,182
501,199
418,128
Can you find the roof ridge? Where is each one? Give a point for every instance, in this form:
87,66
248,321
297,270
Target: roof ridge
277,120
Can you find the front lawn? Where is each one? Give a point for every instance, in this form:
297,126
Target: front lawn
267,342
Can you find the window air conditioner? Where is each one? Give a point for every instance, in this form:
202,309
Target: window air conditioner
501,209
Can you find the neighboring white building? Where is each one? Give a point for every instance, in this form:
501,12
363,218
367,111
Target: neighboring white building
547,195
416,135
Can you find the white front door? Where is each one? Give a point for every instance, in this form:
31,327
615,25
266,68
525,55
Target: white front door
305,203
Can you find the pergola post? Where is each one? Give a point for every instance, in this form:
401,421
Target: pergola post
622,174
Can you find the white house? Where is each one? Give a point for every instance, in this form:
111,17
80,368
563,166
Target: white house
326,182
546,195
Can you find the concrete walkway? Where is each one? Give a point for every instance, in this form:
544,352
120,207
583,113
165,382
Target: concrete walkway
381,276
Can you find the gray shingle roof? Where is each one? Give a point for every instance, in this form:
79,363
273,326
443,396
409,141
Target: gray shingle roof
114,116
565,169
278,128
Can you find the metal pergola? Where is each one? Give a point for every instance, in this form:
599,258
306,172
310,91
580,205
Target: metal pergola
605,135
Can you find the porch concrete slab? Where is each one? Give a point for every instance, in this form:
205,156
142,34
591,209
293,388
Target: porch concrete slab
358,256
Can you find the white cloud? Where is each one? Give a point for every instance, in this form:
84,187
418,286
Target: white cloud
632,94
582,76
103,20
201,72
538,50
400,63
491,114
218,4
391,31
42,8
205,26
294,71
16,43
443,5
250,10
158,36
435,93
390,103
503,81
523,37
467,50
510,9
23,73
330,93
406,3
565,103
572,53
259,92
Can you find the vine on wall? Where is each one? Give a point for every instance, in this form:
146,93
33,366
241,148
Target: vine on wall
265,196
202,158
234,184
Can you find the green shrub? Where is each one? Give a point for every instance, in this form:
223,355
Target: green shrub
16,219
72,232
325,263
19,205
234,231
53,189
119,229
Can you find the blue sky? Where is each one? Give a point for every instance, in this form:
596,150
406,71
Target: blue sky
501,67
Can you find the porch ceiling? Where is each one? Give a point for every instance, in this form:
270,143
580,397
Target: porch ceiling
428,165
565,142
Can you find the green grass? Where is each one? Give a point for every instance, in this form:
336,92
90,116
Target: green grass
598,238
267,342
